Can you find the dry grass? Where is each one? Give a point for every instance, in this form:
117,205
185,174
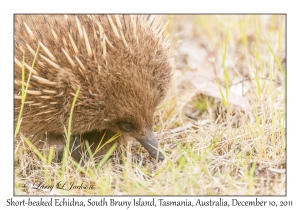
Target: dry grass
212,146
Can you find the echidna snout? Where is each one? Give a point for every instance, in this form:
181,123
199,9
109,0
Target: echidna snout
150,143
122,64
147,139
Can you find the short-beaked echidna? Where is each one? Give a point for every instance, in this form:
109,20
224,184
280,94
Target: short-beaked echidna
122,64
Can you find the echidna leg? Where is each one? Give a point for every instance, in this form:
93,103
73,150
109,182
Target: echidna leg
95,140
77,144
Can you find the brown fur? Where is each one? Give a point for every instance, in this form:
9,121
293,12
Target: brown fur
120,80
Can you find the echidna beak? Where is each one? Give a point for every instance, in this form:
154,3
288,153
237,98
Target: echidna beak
150,143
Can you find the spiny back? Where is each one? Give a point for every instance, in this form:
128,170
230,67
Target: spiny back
121,62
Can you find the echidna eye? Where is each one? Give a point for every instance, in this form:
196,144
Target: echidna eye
126,126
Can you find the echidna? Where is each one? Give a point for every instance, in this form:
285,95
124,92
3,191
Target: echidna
122,64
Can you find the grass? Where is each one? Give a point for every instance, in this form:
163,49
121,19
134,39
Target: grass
212,147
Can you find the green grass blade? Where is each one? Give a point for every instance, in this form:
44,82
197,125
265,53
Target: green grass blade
50,156
71,117
224,99
110,140
107,155
23,99
226,77
23,89
35,150
275,57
